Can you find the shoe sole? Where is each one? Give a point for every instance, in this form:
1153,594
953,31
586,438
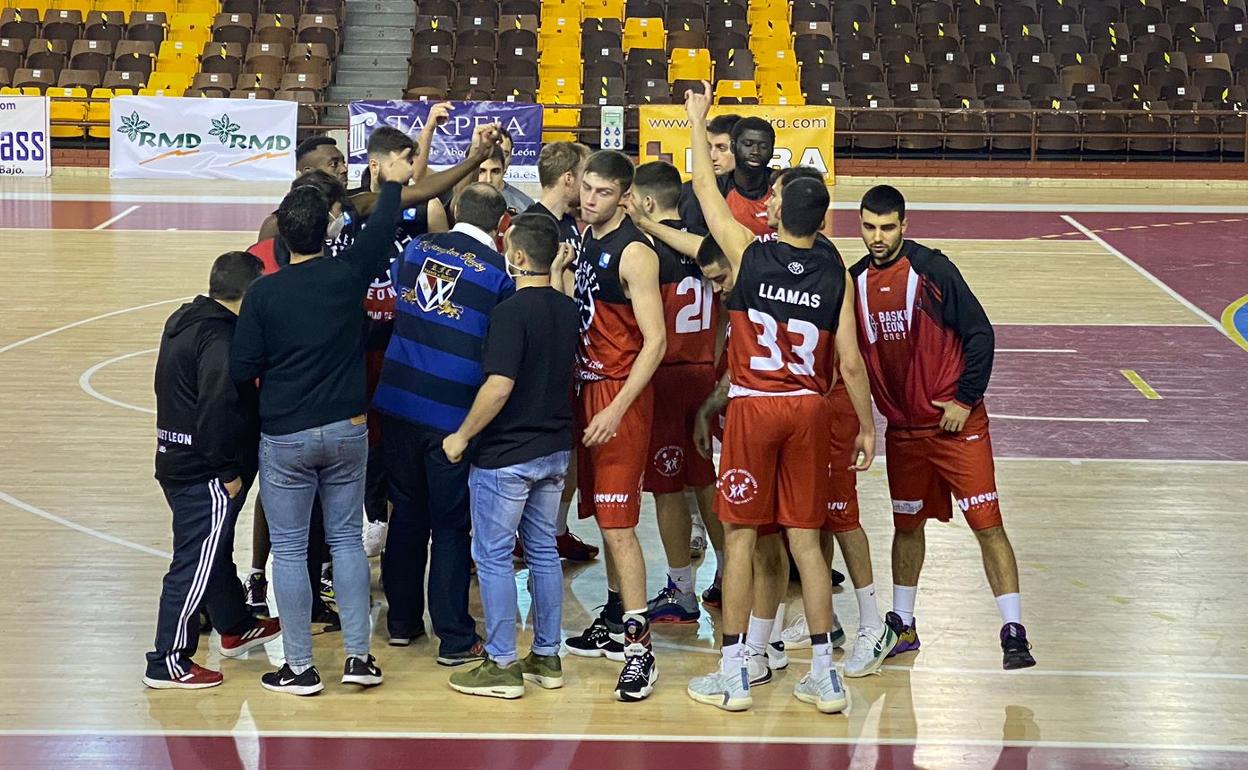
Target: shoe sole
780,665
668,620
1019,665
168,684
399,642
505,692
802,644
824,707
304,690
616,657
453,662
363,680
899,651
545,682
760,681
874,667
732,704
247,646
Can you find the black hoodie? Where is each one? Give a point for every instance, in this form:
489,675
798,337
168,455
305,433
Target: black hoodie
206,426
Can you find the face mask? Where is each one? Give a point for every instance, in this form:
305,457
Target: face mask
514,272
335,227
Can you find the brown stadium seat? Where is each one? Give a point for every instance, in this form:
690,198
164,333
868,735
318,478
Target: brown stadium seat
62,25
311,58
1150,133
517,32
521,7
472,10
648,91
1096,128
892,13
306,99
253,93
686,33
6,79
224,58
935,13
88,79
319,28
302,81
258,83
249,7
233,28
47,54
216,84
125,79
921,131
437,8
148,27
643,9
91,55
427,93
1017,13
737,64
27,77
19,24
282,7
12,53
278,29
109,26
268,56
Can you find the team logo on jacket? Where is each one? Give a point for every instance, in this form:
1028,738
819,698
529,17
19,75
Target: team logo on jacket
796,268
586,287
738,486
669,460
436,284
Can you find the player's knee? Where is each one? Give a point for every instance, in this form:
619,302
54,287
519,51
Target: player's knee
992,536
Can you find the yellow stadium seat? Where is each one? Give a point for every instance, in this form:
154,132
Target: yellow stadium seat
738,89
567,8
98,112
776,69
25,91
644,33
149,91
784,92
604,9
209,7
125,6
178,56
82,6
689,64
154,6
170,82
75,111
762,11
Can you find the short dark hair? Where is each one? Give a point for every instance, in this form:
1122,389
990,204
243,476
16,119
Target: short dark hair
660,180
787,176
722,124
753,124
328,184
231,274
883,200
311,144
481,205
302,219
499,155
804,207
613,166
387,139
709,253
557,159
538,236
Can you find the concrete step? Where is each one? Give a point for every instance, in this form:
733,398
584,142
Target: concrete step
360,9
395,50
362,32
376,78
371,60
356,93
381,19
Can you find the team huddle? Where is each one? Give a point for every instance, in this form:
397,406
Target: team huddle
603,341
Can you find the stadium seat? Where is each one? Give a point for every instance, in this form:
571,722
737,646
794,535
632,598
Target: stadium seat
224,58
686,33
149,26
255,93
178,56
34,78
65,110
318,28
47,54
70,78
736,92
302,81
780,92
233,28
91,55
277,29
694,63
218,84
646,63
604,9
19,24
644,33
62,24
258,83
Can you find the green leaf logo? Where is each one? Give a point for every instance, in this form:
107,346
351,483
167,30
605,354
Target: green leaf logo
132,125
223,128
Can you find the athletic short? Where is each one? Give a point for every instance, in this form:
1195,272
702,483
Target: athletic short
609,475
928,469
843,495
675,463
775,462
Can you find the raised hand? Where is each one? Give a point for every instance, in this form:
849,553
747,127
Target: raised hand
698,104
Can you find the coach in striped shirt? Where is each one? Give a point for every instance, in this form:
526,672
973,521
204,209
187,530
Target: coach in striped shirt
447,285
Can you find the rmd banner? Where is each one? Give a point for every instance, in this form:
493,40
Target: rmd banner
25,149
163,137
803,134
453,138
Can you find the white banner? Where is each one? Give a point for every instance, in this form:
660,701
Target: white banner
25,138
162,137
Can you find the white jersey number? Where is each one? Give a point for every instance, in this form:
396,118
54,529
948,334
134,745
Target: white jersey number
803,348
695,316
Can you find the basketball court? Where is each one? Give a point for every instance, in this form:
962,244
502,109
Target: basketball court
1120,408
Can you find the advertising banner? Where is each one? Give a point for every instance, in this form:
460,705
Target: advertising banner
25,143
161,137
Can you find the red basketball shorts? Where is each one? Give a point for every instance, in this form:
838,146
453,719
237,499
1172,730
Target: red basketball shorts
928,470
843,497
608,476
774,464
674,462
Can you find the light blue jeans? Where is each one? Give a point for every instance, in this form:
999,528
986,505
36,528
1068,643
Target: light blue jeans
294,469
522,498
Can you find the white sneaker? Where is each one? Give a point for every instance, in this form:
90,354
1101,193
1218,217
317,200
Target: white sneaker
724,691
777,656
823,691
697,540
796,636
375,537
759,668
870,649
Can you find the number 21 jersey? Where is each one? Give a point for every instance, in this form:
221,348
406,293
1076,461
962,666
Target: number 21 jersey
783,313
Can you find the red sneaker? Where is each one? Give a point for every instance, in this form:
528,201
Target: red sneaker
198,678
574,549
263,632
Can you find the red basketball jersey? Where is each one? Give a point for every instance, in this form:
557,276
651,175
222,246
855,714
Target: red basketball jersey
610,337
690,312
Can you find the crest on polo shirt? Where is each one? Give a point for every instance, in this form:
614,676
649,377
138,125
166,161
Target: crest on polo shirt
436,284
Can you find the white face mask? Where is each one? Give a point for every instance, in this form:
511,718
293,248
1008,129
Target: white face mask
335,227
515,271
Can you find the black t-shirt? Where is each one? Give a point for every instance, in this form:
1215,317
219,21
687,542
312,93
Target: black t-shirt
532,340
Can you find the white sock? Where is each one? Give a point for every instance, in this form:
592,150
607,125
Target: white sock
821,655
777,627
326,566
758,635
903,602
681,577
732,656
299,669
868,610
1011,608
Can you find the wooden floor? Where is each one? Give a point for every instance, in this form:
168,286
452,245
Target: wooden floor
1132,559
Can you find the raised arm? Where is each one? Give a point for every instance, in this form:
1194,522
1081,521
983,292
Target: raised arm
854,372
685,242
438,115
731,235
639,269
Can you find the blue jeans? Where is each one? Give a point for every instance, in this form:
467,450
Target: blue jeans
294,469
522,497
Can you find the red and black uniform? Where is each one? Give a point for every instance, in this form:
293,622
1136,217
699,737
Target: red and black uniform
784,311
609,476
925,337
686,376
748,206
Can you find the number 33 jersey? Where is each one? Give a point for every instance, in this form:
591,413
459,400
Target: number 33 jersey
690,311
783,313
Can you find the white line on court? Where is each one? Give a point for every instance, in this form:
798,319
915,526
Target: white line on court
1184,301
1038,418
113,220
636,737
92,319
1037,350
84,382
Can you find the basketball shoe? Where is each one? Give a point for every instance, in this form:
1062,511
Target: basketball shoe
907,635
730,692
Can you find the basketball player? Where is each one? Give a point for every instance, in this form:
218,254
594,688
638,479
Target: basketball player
321,153
748,186
928,347
622,342
719,134
792,314
683,381
516,198
559,170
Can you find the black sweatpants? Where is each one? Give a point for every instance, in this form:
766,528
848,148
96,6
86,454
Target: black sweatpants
202,573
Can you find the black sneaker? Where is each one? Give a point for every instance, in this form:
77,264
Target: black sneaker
256,595
328,620
638,678
363,672
1015,649
285,680
327,588
475,652
598,641
205,622
837,578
